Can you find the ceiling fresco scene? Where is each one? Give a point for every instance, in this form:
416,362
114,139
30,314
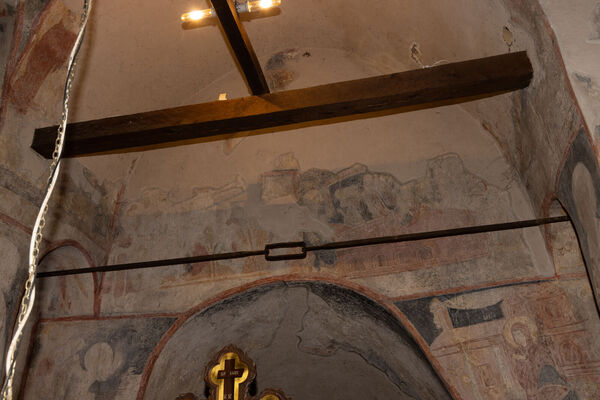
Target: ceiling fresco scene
307,123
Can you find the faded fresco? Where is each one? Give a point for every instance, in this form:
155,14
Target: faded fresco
510,323
577,26
517,342
579,191
67,295
8,299
288,330
35,39
93,359
320,206
506,315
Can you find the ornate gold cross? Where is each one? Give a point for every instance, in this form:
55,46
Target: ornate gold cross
228,376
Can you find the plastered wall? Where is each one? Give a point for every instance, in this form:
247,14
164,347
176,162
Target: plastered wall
495,316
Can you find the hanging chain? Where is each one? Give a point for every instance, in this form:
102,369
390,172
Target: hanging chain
28,298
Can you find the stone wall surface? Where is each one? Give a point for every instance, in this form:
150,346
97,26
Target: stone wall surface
35,40
579,191
298,333
518,342
320,206
536,125
577,27
93,359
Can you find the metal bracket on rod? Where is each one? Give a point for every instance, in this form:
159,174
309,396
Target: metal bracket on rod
304,249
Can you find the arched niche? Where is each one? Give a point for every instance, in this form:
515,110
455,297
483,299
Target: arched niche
313,340
65,295
579,192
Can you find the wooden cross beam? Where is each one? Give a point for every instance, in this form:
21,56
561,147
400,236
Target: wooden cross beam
422,88
241,46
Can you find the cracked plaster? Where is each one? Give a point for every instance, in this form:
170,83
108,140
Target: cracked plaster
322,334
532,131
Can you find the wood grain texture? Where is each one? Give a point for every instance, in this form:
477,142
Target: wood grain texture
241,46
455,82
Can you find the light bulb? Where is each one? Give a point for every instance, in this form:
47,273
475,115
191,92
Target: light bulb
262,4
197,15
241,7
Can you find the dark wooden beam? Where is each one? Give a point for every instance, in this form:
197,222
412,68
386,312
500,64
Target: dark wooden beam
241,46
398,92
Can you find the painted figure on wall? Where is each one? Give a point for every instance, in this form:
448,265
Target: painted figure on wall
531,361
534,333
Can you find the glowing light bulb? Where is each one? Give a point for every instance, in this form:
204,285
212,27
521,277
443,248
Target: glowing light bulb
196,15
262,4
241,7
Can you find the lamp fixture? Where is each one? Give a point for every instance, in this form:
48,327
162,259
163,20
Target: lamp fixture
197,15
241,7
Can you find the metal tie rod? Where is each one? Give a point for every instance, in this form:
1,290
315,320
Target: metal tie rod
304,249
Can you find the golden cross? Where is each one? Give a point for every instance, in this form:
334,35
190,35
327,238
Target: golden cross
227,375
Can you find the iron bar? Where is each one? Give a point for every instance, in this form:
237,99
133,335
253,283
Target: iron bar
410,237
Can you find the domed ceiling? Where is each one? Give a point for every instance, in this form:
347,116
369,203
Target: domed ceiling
497,315
141,59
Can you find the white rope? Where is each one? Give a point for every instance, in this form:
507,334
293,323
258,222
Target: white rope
36,238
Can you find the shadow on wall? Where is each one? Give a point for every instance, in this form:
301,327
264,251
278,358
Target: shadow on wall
10,262
67,295
313,340
579,192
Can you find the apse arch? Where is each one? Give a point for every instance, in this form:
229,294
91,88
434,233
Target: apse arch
66,296
314,339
